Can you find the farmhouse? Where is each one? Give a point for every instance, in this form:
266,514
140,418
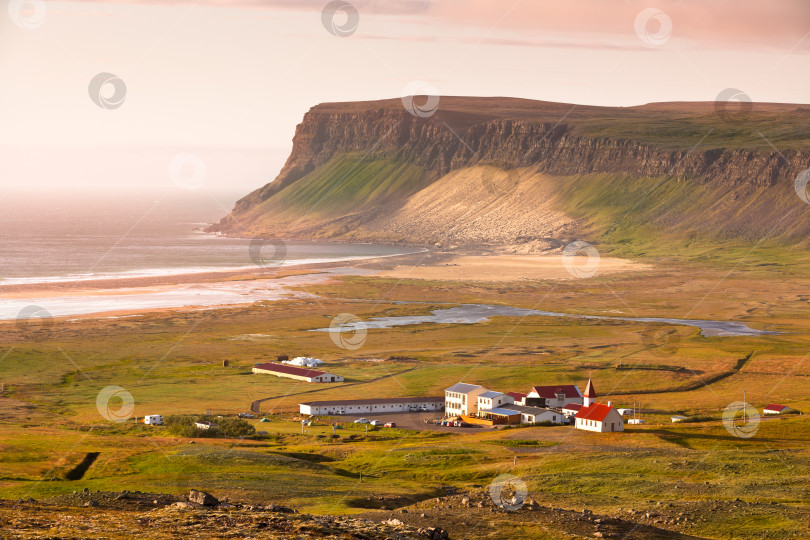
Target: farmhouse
297,373
492,400
571,409
600,418
773,408
554,396
462,398
373,406
535,415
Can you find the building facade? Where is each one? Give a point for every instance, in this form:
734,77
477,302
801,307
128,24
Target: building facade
492,400
462,398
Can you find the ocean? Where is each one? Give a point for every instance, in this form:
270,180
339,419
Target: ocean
67,237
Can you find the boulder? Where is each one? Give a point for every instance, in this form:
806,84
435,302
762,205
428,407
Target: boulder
280,509
203,498
438,534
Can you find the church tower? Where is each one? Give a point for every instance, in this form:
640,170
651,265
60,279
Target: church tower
590,395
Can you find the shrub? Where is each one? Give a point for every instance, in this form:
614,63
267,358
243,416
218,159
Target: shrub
182,425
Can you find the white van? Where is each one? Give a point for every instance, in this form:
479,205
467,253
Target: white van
153,420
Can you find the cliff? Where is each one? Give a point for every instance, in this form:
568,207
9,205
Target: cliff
335,144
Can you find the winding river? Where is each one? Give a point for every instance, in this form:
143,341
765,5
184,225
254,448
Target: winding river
477,313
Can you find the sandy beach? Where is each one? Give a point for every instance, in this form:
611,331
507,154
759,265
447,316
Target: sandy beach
500,268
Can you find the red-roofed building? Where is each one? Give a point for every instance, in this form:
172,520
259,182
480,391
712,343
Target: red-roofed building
519,398
571,409
555,396
773,408
293,372
599,417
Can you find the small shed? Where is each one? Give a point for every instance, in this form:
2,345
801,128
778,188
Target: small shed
774,408
571,409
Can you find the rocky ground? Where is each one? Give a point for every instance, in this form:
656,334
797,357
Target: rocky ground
473,514
126,514
115,515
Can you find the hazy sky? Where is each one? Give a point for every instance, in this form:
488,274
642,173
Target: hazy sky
228,81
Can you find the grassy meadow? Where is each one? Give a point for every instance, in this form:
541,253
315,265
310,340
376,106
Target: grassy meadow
172,363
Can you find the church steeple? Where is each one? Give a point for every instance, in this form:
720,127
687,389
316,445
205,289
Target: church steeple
590,394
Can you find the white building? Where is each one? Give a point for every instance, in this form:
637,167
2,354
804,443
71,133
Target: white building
205,425
153,420
462,398
600,418
298,373
536,415
492,400
372,406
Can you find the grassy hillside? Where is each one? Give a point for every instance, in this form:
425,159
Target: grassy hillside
669,216
383,199
348,184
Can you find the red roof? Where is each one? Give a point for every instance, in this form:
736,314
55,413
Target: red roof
290,370
775,407
516,395
573,406
594,411
550,392
589,391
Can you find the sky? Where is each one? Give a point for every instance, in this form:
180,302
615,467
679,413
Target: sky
209,92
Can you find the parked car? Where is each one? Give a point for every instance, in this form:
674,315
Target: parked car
423,409
245,415
361,421
391,424
375,423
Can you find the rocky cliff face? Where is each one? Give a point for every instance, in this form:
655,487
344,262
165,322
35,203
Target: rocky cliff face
483,132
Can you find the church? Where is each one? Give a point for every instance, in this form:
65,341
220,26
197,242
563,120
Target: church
597,416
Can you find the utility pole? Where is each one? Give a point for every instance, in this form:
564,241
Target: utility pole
745,406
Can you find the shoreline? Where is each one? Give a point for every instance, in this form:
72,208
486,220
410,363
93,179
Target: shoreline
77,287
119,297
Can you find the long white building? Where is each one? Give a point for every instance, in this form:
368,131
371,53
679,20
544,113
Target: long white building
371,406
298,373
